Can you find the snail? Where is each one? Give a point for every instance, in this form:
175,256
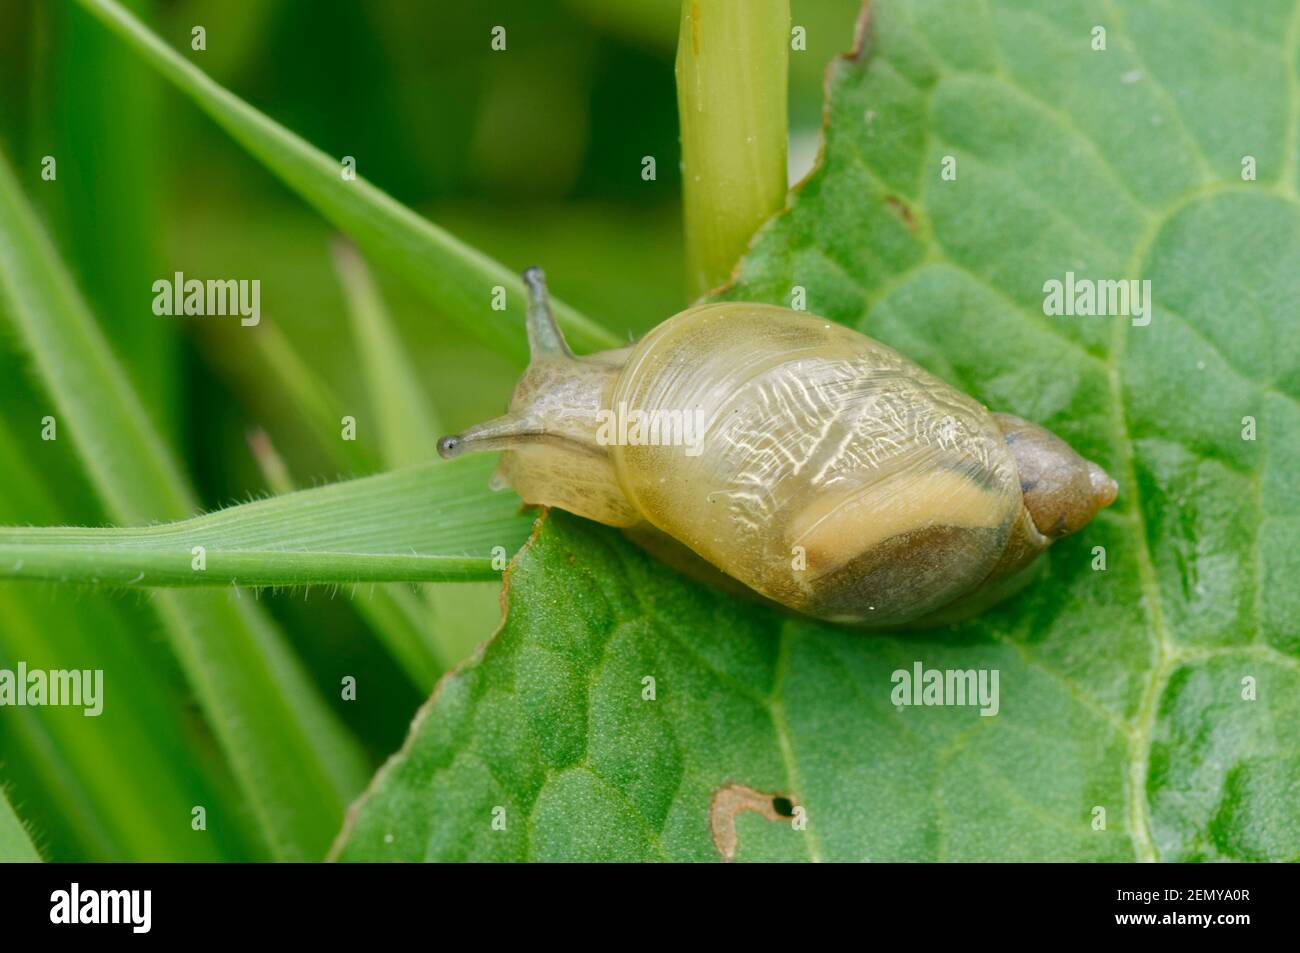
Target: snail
813,465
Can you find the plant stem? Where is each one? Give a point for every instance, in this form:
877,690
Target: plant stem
732,65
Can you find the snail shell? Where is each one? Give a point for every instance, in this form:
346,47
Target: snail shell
817,467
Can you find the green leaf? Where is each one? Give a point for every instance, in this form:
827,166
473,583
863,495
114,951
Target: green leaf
455,277
15,846
1162,690
293,758
436,521
98,109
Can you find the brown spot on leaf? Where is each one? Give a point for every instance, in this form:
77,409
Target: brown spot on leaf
902,210
731,800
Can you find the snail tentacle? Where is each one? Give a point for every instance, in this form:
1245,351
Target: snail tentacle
544,335
499,433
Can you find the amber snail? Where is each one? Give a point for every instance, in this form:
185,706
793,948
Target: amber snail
817,467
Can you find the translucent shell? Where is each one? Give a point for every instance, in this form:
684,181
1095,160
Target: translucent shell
815,466
831,474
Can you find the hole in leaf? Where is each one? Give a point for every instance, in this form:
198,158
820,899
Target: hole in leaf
733,799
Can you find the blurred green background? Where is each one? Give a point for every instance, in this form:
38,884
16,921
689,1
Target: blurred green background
532,155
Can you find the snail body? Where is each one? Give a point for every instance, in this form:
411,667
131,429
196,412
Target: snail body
818,467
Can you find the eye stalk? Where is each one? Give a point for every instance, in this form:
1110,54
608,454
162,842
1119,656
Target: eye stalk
556,401
545,344
544,335
552,454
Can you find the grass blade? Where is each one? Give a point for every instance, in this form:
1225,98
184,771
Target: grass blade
98,115
294,761
272,466
398,615
434,522
15,845
455,277
395,614
82,781
126,460
408,431
304,391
